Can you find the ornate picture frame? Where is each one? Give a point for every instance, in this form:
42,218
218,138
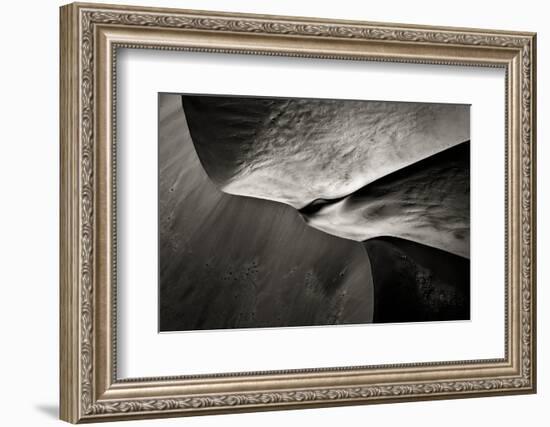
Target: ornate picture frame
90,37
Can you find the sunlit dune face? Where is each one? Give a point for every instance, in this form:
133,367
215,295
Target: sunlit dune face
355,169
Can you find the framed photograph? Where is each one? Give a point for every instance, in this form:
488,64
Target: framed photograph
266,212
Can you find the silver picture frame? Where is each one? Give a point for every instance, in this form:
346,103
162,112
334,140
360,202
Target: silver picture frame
90,37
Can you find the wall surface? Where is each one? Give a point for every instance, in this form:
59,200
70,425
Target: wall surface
29,170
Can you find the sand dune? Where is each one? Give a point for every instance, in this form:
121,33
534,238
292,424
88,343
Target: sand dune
297,150
417,283
356,169
427,202
239,262
277,212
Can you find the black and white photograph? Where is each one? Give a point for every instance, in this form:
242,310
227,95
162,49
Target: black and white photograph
282,212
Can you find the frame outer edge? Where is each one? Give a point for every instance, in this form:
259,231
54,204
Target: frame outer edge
68,227
533,208
290,18
77,226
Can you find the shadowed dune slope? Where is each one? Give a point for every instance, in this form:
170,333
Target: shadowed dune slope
416,283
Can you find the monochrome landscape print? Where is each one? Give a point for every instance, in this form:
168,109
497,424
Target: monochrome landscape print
277,212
